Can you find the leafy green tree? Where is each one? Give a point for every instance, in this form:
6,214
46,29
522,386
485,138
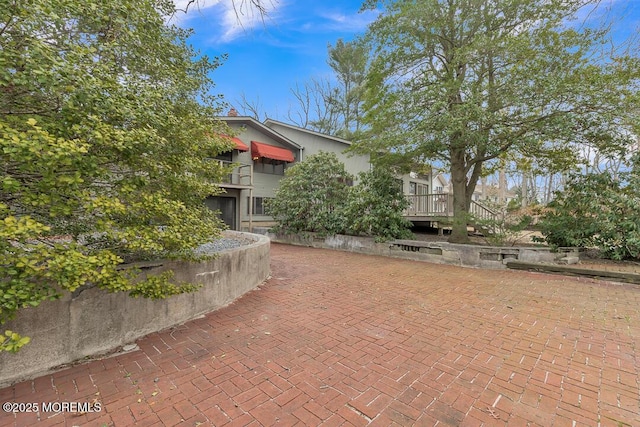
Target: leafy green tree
312,196
375,206
105,127
466,82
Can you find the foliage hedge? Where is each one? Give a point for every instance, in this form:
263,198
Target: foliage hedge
315,196
597,210
106,124
311,196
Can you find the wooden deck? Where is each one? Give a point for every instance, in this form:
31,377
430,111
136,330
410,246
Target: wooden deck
438,207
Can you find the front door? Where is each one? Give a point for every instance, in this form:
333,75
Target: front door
422,192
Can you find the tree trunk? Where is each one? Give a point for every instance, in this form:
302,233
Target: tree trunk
524,190
533,188
549,189
460,210
502,186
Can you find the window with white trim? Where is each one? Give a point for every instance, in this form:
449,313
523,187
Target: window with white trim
259,205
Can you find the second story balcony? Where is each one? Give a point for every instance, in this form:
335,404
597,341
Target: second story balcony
241,175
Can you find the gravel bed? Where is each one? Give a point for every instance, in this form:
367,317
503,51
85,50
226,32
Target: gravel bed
221,245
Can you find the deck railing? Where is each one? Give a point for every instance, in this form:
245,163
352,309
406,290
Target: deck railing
481,212
437,204
441,205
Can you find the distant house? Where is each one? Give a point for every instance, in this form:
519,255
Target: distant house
483,192
264,151
492,193
439,184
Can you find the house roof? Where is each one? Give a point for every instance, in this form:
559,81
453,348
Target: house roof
441,178
251,122
272,122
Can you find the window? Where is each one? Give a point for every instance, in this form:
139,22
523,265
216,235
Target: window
259,205
270,166
439,189
227,157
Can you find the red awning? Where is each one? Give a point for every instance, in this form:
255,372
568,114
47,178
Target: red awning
260,149
239,145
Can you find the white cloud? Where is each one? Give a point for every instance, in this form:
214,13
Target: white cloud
242,15
226,20
233,17
339,21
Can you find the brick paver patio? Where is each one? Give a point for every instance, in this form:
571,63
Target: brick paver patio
335,338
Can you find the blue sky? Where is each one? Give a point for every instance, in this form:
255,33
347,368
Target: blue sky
267,57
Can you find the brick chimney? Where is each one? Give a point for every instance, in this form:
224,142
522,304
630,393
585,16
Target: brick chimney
232,112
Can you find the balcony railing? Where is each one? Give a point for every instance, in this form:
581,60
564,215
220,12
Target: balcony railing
241,175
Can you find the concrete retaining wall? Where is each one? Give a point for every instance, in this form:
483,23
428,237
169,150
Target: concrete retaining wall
91,322
436,252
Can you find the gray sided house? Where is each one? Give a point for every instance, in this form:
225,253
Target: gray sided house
313,142
261,155
264,151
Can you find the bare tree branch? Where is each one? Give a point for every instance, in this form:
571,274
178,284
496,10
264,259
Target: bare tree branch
252,108
240,7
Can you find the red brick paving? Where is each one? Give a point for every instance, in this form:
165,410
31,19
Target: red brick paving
341,339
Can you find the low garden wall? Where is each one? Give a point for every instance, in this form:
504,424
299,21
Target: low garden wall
436,252
90,321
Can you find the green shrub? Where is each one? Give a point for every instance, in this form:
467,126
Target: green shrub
314,196
597,210
375,207
105,129
311,196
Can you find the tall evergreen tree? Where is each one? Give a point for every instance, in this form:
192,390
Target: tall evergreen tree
330,108
348,60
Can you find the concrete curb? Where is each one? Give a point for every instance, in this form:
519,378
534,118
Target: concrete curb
616,276
478,256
